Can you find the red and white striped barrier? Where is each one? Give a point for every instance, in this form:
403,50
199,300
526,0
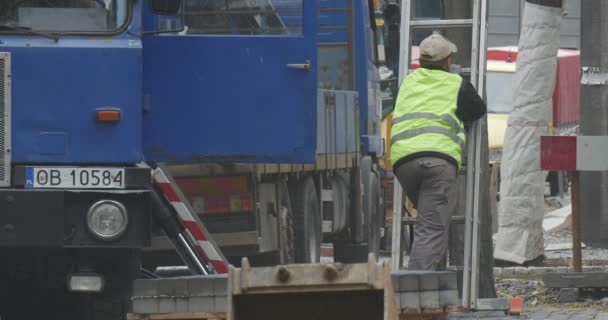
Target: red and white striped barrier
197,233
574,153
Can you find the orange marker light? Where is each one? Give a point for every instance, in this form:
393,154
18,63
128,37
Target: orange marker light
108,116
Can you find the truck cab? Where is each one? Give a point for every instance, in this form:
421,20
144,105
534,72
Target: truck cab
74,203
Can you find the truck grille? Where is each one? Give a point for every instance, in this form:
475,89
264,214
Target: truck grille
5,119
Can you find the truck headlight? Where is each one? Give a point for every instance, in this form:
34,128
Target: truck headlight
107,220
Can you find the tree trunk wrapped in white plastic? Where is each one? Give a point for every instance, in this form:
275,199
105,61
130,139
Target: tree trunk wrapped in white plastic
521,208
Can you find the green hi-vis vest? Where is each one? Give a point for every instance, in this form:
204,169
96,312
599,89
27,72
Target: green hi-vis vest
425,118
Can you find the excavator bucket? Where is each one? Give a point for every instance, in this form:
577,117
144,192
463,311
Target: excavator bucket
312,291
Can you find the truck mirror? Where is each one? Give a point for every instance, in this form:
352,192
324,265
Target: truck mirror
166,7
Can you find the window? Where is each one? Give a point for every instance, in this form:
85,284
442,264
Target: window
243,17
65,16
500,92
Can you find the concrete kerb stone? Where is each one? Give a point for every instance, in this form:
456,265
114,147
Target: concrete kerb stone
498,272
531,273
537,273
568,295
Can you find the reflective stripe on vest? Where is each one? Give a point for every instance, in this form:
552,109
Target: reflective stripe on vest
431,116
416,132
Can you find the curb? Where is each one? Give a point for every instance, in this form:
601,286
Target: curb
537,273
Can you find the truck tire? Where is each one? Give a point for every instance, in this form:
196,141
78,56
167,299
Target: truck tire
286,233
307,222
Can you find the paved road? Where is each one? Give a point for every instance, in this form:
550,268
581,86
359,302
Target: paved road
539,314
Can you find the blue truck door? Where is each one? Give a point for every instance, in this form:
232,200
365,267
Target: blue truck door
239,84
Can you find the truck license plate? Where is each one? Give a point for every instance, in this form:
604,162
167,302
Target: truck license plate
74,178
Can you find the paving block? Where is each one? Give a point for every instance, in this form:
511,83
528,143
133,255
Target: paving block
220,304
181,287
200,286
201,304
448,281
429,299
409,282
144,305
182,305
429,281
166,287
409,300
166,305
145,288
449,298
220,285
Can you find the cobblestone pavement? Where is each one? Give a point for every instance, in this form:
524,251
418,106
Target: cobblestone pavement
541,313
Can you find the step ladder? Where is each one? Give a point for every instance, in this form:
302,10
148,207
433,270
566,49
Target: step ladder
478,25
172,211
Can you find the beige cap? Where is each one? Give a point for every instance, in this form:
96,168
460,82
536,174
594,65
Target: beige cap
436,48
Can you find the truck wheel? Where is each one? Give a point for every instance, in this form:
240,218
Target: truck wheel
287,249
307,222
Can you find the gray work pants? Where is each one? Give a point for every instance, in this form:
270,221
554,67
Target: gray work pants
430,183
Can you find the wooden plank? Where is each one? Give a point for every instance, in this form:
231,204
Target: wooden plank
178,316
391,310
576,280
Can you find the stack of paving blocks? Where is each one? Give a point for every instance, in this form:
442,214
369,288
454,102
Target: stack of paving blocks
415,290
179,295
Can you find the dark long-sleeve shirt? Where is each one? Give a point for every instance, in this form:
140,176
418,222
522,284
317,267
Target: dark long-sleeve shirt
470,106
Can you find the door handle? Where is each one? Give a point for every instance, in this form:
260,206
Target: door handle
306,66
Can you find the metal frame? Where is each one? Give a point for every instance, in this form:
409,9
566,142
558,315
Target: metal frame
472,173
5,119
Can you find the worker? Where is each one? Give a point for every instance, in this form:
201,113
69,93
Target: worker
427,142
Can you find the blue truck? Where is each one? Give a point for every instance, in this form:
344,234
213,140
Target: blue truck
266,112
